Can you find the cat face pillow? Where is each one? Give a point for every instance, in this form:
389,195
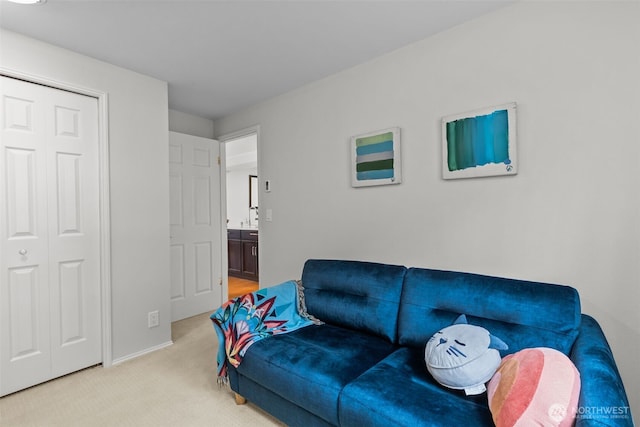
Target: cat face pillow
463,356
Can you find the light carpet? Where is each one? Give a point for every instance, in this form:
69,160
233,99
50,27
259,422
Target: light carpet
175,386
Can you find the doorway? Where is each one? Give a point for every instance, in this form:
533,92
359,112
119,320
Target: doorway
242,211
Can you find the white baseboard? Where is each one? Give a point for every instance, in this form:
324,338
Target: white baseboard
141,352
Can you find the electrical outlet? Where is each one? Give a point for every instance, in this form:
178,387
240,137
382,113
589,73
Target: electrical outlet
154,319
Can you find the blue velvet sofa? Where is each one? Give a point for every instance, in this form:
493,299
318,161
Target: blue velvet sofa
365,366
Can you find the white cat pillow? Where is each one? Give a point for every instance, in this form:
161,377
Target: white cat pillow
463,356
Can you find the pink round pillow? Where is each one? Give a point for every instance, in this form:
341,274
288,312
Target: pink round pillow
535,386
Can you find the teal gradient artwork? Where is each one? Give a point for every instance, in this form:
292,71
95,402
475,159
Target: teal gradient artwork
478,141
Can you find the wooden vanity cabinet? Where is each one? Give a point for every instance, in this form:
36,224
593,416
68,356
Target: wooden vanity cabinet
234,250
243,253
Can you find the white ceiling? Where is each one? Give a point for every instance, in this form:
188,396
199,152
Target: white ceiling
221,56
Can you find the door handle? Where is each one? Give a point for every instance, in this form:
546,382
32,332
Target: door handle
22,252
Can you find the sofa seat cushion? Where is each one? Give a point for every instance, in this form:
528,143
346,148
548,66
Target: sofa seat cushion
399,391
310,366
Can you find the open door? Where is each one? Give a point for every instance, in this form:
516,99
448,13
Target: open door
196,259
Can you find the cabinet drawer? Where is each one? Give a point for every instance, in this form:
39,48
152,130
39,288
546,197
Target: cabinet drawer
249,235
234,234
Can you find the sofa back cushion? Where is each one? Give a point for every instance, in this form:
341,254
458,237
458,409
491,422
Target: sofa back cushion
358,295
523,314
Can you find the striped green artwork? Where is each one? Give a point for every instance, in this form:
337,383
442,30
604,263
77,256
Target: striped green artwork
375,157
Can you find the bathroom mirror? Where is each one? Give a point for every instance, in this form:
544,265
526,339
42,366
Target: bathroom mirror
253,191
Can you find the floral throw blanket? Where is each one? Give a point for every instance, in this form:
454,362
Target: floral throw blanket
244,320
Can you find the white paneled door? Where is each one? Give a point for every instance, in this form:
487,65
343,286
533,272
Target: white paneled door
196,259
49,234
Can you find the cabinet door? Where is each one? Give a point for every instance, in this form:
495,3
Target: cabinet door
250,259
235,257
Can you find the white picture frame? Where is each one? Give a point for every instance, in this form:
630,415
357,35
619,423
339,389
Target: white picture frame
376,158
480,143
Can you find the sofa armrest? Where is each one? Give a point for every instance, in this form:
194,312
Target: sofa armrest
603,401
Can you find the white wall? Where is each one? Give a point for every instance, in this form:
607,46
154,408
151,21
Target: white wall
241,160
238,198
570,216
190,124
139,173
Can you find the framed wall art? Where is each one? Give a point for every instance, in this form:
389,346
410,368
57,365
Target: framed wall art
375,158
480,143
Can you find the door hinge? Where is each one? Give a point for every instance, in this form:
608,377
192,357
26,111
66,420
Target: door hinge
218,159
220,282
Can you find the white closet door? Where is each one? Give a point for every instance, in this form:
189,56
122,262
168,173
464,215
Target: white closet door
49,234
196,259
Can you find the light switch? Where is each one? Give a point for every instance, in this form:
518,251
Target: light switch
269,216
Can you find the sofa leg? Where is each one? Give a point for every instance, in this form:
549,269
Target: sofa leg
240,400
